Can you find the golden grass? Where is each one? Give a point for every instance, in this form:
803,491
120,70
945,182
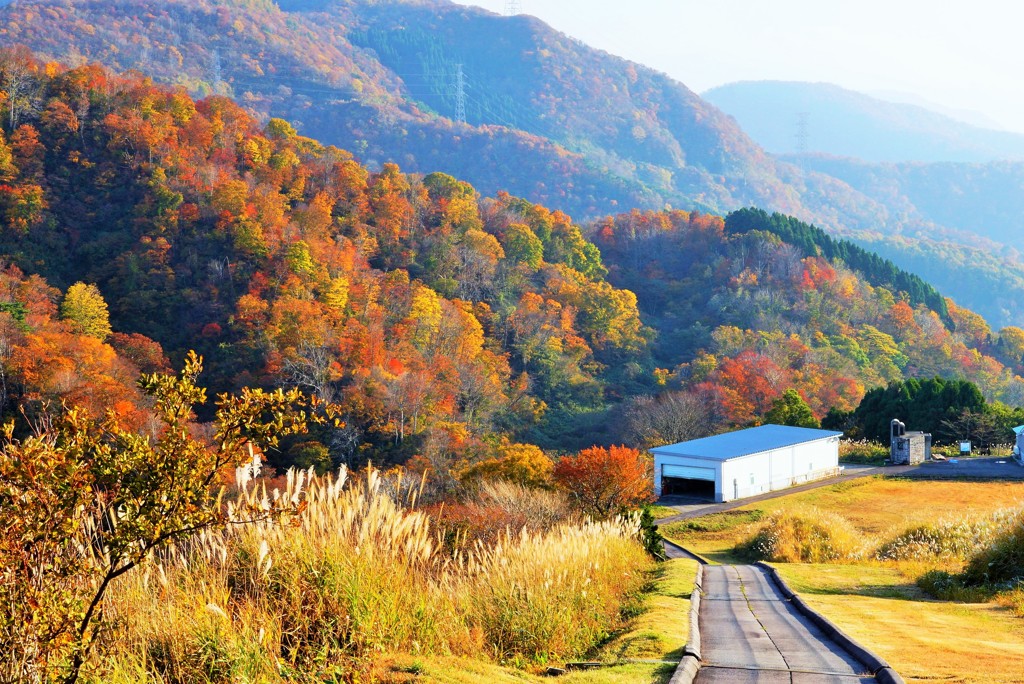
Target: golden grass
657,633
805,536
924,640
878,603
355,576
660,512
876,506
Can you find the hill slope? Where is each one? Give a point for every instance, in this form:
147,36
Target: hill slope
323,71
594,134
442,321
846,123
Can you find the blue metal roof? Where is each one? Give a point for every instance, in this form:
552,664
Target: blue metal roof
745,442
1017,430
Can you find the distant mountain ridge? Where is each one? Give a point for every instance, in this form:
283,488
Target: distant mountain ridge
547,118
970,117
847,123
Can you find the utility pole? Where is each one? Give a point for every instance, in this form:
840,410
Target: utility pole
512,8
802,131
460,95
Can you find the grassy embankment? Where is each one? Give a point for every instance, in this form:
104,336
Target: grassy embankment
657,633
878,601
359,588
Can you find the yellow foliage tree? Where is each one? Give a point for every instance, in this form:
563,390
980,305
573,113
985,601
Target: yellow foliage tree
523,464
85,311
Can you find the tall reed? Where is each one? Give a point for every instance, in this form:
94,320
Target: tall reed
352,573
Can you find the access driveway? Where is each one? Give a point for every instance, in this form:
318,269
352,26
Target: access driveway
751,633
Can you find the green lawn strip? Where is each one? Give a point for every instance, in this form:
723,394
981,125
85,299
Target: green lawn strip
923,639
452,670
658,633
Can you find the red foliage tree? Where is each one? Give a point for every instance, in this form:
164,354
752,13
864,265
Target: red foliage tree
605,481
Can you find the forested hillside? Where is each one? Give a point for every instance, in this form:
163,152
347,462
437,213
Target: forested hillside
548,118
742,315
445,324
980,261
434,318
304,68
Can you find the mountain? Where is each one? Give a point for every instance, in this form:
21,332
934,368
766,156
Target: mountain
846,123
547,118
967,116
755,302
433,317
377,79
442,321
986,200
981,261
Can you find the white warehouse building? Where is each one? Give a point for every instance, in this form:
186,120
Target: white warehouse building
745,463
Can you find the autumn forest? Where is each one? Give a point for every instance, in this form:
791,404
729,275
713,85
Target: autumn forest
461,338
444,323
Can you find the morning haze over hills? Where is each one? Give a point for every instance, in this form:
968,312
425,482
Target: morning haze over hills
844,123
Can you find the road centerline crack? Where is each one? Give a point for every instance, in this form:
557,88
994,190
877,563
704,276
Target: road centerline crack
750,607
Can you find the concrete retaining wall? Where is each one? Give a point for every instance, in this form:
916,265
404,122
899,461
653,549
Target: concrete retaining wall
873,662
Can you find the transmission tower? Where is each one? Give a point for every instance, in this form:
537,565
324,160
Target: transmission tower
215,71
460,95
802,134
513,7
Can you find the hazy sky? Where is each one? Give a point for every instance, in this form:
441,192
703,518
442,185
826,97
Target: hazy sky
960,55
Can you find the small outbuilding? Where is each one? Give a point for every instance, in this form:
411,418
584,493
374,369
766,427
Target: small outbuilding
743,463
910,448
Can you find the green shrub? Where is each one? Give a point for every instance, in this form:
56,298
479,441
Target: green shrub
950,587
309,454
650,537
862,452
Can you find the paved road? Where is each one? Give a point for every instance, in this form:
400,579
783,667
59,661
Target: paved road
990,468
751,633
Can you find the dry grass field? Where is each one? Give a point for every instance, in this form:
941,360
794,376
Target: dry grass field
925,640
658,633
358,587
878,602
875,506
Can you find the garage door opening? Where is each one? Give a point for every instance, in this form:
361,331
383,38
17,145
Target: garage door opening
688,487
690,481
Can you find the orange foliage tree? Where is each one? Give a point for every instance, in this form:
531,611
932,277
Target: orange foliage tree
605,481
